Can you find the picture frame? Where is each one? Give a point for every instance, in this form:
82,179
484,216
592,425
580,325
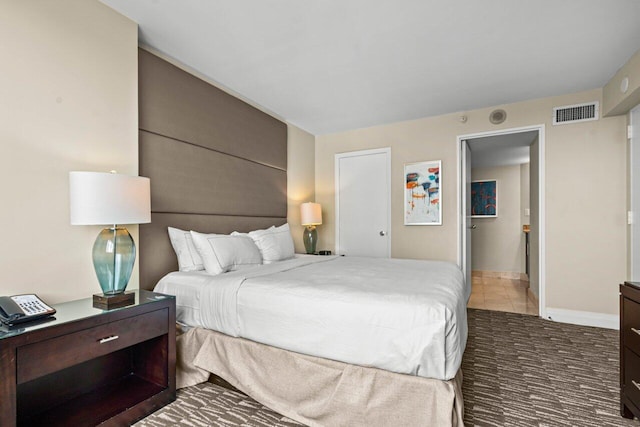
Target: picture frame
423,193
484,198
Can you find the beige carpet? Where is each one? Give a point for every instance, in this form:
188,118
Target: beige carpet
518,370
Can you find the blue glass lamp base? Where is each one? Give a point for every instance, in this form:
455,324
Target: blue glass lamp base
114,254
310,239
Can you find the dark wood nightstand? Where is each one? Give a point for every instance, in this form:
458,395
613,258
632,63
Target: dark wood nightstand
89,366
630,349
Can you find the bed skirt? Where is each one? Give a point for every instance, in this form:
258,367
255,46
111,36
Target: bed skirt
317,391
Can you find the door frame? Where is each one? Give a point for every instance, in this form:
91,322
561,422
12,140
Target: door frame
462,221
336,168
634,201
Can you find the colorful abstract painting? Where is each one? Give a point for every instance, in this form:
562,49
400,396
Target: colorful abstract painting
423,193
484,199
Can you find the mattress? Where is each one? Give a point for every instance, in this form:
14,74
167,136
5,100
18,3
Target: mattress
404,316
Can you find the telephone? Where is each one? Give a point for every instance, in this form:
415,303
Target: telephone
23,308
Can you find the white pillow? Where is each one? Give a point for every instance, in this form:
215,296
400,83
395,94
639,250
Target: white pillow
188,257
221,252
237,233
275,243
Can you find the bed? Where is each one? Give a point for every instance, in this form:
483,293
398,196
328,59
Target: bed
359,341
403,316
218,165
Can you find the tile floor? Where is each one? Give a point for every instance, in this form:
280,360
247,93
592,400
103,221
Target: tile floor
501,294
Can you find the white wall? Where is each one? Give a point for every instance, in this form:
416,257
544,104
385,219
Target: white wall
586,187
497,243
68,101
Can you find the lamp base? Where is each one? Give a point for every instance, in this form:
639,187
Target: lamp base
310,239
110,301
114,254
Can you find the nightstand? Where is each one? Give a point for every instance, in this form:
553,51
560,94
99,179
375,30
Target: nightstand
630,349
89,366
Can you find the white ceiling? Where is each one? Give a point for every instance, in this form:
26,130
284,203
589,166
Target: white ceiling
332,65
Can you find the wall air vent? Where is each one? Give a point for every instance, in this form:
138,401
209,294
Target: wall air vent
576,113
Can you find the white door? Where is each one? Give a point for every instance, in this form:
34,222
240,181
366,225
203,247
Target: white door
363,203
635,193
466,211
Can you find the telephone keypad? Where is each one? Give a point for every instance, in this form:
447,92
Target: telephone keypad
30,304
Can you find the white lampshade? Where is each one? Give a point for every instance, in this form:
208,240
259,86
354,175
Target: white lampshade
311,213
98,198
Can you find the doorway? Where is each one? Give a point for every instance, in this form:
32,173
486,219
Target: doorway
363,203
500,160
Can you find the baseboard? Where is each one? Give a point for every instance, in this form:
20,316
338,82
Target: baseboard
499,275
584,318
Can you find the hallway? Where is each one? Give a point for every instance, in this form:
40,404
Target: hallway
501,294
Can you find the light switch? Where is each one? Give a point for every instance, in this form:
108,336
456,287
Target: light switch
527,212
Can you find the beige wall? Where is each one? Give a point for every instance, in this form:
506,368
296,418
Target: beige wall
68,101
300,179
614,100
585,210
497,244
419,140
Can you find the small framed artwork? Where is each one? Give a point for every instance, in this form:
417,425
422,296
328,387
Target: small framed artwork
484,198
423,193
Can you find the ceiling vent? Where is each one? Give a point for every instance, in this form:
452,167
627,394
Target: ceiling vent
576,113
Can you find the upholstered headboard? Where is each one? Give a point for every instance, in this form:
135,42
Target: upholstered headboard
216,164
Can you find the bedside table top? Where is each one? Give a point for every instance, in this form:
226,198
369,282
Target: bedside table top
79,309
633,284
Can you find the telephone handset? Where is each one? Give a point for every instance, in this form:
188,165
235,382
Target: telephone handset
23,308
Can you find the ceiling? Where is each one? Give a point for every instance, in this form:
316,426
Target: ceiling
501,150
333,65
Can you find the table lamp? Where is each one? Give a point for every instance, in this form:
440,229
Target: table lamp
103,199
310,216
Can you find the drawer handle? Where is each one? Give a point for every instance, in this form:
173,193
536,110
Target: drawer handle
636,384
636,331
107,339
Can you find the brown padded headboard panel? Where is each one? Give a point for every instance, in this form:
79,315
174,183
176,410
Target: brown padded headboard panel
187,178
216,164
179,105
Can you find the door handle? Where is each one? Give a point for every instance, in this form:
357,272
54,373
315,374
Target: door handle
473,227
383,233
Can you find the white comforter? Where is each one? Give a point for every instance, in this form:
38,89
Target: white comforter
405,316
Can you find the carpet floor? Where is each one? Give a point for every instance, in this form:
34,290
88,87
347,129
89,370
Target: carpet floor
518,370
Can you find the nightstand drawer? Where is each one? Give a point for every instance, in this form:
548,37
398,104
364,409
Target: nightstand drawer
632,376
631,324
42,358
